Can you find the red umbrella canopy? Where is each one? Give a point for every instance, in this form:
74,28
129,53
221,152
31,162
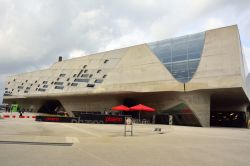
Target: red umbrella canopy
120,108
141,107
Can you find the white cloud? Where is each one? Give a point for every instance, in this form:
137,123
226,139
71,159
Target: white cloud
132,38
77,53
213,23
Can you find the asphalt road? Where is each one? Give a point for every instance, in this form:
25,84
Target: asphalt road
24,142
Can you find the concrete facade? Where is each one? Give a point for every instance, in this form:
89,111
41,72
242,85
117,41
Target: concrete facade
137,73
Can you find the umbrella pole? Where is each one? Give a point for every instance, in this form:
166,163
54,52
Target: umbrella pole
139,116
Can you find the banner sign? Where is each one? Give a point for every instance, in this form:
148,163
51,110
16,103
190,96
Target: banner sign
85,118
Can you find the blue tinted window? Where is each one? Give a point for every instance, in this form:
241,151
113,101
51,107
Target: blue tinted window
181,56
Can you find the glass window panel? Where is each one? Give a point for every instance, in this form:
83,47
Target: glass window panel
81,80
194,55
59,87
180,55
58,83
179,58
181,74
178,40
98,81
197,36
183,80
74,84
179,66
194,47
193,64
91,85
166,59
179,49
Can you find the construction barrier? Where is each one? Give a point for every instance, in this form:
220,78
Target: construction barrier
87,118
16,116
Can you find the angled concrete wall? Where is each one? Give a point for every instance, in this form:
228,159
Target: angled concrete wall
220,65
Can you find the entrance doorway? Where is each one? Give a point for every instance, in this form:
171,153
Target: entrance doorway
226,110
51,107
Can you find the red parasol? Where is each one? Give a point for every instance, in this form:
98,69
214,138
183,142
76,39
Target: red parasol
140,108
120,108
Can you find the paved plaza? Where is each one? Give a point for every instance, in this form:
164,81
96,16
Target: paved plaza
25,142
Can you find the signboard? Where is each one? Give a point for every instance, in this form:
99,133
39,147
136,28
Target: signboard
86,118
14,107
128,121
128,127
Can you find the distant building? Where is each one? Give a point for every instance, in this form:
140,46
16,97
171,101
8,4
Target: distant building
200,79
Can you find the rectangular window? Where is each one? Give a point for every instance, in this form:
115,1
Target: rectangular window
62,75
85,75
20,87
98,71
106,60
84,66
45,86
59,87
74,84
98,81
58,83
45,82
91,85
81,80
104,76
41,90
27,88
26,91
85,71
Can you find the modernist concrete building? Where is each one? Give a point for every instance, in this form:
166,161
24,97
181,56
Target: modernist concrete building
200,79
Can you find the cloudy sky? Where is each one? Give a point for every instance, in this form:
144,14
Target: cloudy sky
33,33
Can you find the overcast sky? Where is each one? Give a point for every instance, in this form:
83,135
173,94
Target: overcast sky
33,33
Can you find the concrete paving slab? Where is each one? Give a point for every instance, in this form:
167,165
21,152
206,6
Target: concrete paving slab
98,144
